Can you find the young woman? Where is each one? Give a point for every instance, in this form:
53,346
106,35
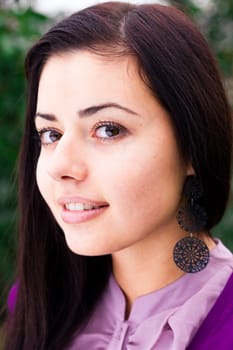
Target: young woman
125,168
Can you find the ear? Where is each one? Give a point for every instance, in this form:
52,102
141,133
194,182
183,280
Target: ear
190,170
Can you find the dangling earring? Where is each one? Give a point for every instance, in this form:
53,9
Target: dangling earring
191,254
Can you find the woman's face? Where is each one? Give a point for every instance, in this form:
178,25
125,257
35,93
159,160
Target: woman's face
109,167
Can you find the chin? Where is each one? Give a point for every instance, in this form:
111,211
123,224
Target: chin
86,250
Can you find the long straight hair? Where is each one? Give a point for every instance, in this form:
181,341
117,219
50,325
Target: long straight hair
58,289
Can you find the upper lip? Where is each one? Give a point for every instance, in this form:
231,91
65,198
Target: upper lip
76,199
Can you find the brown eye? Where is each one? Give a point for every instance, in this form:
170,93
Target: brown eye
108,130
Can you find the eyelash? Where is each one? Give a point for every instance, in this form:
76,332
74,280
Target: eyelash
101,124
42,132
122,130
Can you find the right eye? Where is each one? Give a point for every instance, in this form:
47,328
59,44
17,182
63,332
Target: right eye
49,136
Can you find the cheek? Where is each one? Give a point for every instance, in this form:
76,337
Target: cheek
42,179
151,184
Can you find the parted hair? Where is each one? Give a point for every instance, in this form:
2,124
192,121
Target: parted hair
58,289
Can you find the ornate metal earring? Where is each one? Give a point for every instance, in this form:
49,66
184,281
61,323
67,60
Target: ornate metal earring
191,254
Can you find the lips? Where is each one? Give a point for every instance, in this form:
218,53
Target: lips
76,210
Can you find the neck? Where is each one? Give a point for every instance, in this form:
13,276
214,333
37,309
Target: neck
147,266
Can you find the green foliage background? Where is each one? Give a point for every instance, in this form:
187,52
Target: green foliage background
19,28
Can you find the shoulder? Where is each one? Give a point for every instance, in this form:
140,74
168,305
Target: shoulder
216,331
12,296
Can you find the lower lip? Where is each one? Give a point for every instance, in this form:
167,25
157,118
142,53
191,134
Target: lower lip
77,217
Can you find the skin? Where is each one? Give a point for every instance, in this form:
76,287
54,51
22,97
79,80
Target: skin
132,166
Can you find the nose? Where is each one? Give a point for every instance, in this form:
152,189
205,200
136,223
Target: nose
67,161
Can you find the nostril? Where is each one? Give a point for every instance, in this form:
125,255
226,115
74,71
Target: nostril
65,173
65,177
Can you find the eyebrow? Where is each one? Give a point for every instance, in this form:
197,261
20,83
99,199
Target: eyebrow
94,109
87,112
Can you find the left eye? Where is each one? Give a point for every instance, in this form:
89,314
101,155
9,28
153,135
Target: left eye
109,130
48,136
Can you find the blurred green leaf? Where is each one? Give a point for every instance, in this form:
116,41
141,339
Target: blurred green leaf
19,28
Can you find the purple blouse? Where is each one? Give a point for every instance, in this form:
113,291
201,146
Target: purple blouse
164,319
194,313
215,332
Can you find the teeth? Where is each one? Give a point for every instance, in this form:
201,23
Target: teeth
79,206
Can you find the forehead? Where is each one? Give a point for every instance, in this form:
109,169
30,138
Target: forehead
85,65
80,78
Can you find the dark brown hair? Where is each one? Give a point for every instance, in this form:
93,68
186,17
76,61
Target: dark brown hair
56,288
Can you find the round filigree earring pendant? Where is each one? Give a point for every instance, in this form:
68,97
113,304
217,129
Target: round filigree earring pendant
191,254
